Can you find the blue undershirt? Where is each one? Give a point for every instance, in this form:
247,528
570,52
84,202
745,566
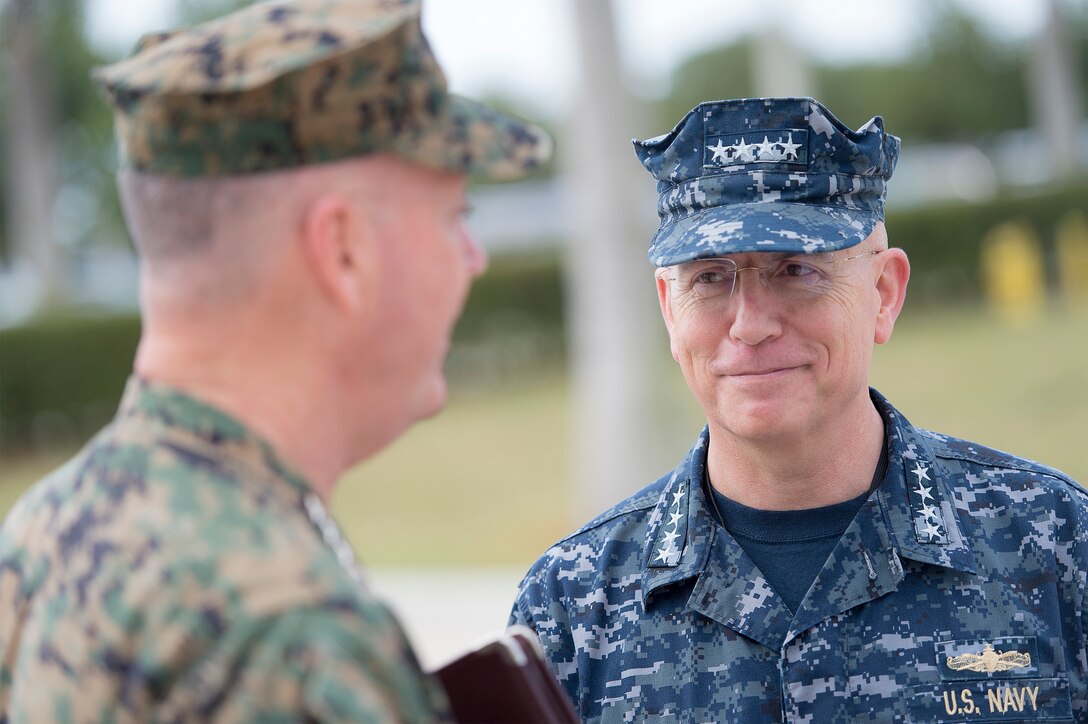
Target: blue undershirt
789,547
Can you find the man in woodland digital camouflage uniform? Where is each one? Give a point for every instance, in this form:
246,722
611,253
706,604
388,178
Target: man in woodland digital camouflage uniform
815,557
294,181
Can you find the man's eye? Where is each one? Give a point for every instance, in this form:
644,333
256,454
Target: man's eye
795,269
710,276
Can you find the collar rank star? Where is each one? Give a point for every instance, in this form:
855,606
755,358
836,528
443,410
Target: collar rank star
668,553
990,661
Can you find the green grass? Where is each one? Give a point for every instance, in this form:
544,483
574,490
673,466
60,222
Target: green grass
1019,389
487,482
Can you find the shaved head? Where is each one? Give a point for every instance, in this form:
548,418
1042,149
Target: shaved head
208,240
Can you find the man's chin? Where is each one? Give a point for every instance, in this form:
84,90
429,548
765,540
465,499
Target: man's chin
760,419
434,398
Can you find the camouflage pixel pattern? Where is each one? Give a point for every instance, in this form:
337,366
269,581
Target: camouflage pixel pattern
654,612
176,570
765,174
284,84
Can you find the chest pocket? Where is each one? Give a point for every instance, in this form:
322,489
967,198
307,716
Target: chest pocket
993,700
991,681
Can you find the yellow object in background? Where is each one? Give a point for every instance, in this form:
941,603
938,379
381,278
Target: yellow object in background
1071,242
1012,273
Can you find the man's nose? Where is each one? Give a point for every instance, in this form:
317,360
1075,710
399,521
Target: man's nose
755,310
474,254
761,273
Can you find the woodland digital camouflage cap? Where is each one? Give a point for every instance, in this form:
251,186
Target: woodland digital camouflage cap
295,82
766,174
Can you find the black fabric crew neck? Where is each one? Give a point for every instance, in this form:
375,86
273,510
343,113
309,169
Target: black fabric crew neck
788,526
789,547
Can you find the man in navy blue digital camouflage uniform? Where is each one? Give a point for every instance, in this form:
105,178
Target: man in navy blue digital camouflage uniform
815,557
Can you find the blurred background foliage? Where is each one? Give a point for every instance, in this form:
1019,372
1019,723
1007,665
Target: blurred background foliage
63,359
961,84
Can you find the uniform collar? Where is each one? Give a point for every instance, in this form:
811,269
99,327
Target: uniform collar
923,522
913,506
184,415
681,529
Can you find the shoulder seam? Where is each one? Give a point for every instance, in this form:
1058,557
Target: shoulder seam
1025,466
607,518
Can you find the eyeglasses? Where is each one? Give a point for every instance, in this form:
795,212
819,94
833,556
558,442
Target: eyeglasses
793,277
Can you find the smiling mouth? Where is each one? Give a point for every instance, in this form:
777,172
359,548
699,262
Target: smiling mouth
764,374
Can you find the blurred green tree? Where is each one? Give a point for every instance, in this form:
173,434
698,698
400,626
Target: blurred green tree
724,72
57,194
53,126
959,83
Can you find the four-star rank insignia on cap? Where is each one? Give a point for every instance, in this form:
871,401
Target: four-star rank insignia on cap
785,146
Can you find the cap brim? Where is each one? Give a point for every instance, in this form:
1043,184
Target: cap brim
773,227
472,138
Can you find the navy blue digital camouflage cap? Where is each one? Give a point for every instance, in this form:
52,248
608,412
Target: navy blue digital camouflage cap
766,174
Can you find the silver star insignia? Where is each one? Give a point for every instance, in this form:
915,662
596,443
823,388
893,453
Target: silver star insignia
744,151
667,553
766,150
789,149
719,151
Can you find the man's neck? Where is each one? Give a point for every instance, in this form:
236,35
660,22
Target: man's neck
274,403
795,474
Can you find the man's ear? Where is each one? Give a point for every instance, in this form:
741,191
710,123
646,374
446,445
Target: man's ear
891,286
664,300
336,241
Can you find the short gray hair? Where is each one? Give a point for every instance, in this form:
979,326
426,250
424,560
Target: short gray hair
170,216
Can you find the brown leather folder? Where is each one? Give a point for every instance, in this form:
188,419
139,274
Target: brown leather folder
506,681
